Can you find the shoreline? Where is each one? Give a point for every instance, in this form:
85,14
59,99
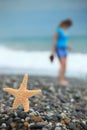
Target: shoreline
41,72
54,79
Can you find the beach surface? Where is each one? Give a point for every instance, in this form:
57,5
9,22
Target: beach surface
58,108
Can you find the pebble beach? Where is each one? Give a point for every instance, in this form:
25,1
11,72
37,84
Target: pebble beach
58,108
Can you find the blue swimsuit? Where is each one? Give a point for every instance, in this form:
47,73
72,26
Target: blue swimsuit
61,44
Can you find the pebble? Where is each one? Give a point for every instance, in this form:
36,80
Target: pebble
63,115
72,126
26,123
45,129
58,124
58,128
13,124
3,129
60,108
4,125
27,118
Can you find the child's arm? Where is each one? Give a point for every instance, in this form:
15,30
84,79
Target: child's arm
53,47
54,44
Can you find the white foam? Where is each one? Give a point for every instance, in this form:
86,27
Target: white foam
38,62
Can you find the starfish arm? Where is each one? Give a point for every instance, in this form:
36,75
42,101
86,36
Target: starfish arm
24,82
16,104
26,105
31,93
11,91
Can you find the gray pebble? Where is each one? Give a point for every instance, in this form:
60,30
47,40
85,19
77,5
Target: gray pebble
58,128
4,125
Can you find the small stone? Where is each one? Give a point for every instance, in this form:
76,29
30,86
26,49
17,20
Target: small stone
72,126
58,124
58,128
15,113
84,122
13,128
63,115
32,113
13,125
75,120
27,118
37,119
50,114
22,120
4,125
3,129
38,125
45,128
11,98
62,122
31,124
26,123
29,129
49,126
21,114
6,116
8,122
67,121
2,110
36,83
72,100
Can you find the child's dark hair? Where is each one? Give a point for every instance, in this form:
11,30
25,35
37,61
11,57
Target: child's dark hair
66,23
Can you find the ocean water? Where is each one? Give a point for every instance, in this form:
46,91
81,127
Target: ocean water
31,55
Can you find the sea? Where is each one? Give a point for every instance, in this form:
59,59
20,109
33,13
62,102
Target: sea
31,55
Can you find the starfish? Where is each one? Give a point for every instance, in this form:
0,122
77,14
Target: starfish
22,94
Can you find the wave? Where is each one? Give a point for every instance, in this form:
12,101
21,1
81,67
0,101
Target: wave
38,63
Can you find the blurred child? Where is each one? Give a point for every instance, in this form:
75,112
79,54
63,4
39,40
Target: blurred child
60,47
